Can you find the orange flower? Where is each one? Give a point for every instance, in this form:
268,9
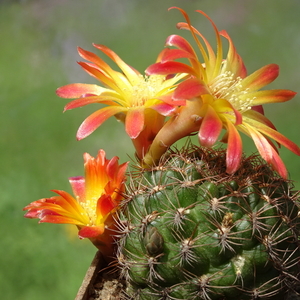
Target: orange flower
96,198
220,96
140,102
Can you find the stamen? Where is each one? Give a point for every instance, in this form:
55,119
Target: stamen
146,88
90,208
225,86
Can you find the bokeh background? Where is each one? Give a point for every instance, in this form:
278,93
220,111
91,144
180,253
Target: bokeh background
38,149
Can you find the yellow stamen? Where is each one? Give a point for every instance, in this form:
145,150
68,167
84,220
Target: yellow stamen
146,88
90,206
226,86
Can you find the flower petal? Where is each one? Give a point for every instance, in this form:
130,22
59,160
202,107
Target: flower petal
169,67
102,71
164,108
182,44
279,165
52,218
234,148
57,205
253,115
112,167
277,136
233,62
114,82
269,96
72,207
76,90
105,205
260,78
90,56
210,128
134,122
172,54
96,177
211,61
258,108
267,152
89,100
224,107
92,122
261,143
168,99
129,72
189,89
265,126
78,187
91,231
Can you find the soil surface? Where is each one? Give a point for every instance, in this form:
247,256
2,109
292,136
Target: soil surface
106,287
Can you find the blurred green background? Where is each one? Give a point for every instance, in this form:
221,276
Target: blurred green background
38,41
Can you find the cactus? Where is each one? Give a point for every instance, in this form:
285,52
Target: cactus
189,230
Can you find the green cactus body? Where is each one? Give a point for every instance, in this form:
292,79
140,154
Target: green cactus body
190,231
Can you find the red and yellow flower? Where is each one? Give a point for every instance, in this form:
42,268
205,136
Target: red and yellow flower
140,102
91,209
219,96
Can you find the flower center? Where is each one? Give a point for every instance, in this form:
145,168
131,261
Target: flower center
90,206
146,88
227,87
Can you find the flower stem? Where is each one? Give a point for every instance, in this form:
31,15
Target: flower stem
186,122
